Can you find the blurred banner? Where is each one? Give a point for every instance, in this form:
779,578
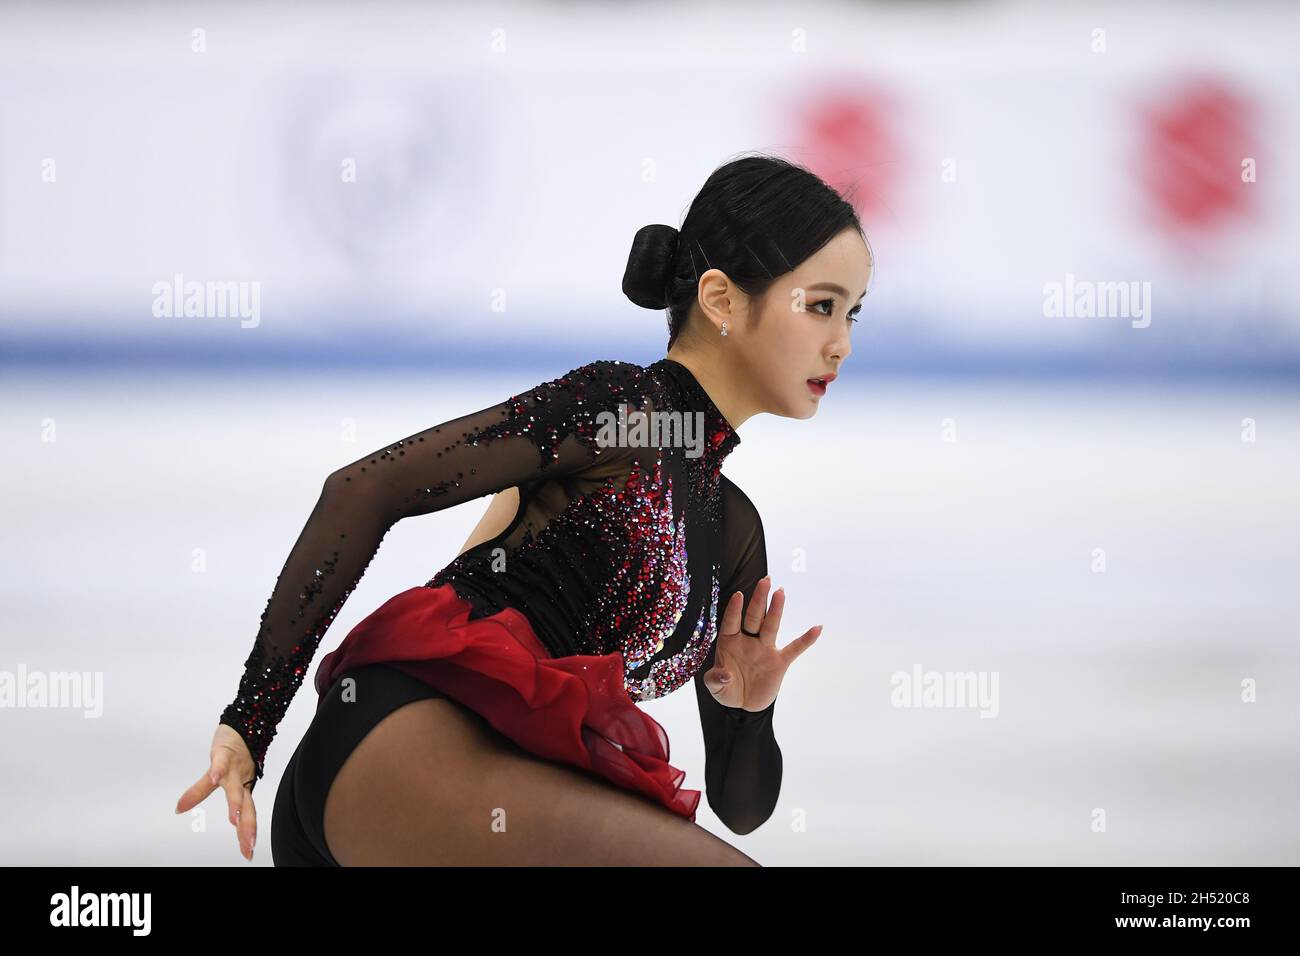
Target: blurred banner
1108,190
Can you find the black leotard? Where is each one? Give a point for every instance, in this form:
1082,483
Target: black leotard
627,538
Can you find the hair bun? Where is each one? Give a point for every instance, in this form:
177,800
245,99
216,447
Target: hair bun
650,266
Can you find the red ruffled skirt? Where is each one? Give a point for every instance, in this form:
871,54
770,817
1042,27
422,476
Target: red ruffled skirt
570,709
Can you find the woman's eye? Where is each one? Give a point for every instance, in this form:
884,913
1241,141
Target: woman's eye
830,309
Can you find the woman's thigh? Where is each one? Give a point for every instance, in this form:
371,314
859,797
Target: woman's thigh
433,784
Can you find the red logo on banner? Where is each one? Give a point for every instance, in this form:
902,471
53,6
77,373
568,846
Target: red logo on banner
1193,146
849,141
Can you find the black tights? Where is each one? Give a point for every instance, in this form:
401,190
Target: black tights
453,760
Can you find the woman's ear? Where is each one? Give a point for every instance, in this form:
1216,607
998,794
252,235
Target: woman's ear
715,296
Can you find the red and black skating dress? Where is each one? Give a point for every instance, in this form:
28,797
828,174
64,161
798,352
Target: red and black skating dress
605,589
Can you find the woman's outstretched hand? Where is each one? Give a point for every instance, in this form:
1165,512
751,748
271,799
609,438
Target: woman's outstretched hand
747,670
231,766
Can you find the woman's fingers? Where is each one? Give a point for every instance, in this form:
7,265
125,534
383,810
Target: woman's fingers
218,765
196,794
228,766
236,801
791,652
757,606
772,622
220,760
247,824
713,679
222,777
731,615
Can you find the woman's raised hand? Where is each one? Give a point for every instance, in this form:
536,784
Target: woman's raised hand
748,667
232,769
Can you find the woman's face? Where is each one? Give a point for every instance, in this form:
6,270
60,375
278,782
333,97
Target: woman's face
801,329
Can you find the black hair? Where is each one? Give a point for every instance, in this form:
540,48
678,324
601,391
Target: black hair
755,218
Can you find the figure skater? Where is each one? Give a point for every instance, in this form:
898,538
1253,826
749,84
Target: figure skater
488,717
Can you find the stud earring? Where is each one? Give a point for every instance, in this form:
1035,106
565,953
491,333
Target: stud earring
724,328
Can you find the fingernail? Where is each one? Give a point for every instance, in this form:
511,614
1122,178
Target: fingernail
212,775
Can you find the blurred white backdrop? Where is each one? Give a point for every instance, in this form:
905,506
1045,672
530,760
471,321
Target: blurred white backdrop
942,511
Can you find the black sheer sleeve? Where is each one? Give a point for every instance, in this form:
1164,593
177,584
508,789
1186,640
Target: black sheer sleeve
546,432
742,762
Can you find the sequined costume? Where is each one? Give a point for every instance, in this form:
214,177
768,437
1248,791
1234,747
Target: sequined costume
627,539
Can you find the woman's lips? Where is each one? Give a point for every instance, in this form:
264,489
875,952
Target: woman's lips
816,387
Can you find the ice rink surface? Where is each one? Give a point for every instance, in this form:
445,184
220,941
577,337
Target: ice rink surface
1114,555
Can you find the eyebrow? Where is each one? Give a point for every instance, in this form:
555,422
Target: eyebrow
834,287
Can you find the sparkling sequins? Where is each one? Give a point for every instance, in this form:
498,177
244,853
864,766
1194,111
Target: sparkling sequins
670,673
607,572
639,604
610,571
618,553
270,680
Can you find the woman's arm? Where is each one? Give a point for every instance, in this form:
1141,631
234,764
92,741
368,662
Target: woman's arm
742,762
548,431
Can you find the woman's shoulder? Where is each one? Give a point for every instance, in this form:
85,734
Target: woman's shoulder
607,370
601,385
744,544
588,400
737,505
595,384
